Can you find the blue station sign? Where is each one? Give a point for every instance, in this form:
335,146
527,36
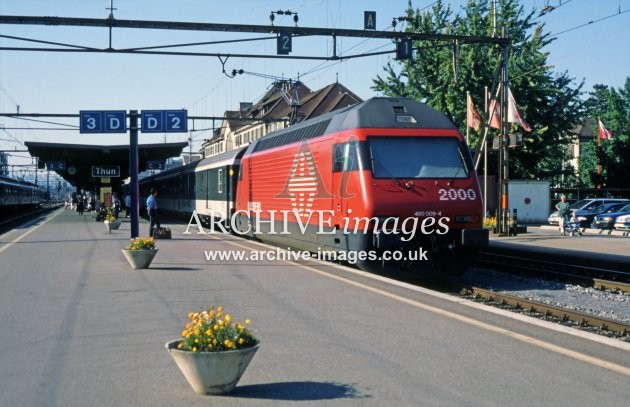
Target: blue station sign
164,121
103,121
56,165
156,164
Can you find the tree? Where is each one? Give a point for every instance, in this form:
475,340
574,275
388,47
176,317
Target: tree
549,101
613,108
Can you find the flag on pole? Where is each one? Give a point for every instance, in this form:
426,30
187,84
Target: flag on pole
603,132
514,115
472,116
495,116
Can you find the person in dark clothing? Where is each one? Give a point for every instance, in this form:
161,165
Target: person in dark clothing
153,211
80,206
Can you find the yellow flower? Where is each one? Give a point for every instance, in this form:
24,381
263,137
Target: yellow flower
247,321
140,243
204,329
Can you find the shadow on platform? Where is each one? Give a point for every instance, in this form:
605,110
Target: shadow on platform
299,391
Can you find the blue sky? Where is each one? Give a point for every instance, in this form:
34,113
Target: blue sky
69,82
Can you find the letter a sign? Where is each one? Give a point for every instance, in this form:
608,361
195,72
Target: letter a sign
369,20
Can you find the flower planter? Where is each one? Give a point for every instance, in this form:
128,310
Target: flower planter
212,372
112,225
140,259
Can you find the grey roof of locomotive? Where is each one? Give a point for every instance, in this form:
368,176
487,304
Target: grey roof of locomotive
377,112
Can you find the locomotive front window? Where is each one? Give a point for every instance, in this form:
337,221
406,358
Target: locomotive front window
418,157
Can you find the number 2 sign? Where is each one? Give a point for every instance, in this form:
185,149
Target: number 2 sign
284,43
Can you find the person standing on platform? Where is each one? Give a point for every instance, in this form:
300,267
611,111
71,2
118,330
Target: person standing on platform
563,210
127,205
153,211
80,206
116,205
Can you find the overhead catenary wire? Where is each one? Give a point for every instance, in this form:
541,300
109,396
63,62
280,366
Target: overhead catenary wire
591,22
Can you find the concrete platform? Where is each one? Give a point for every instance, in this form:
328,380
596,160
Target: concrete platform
594,248
79,327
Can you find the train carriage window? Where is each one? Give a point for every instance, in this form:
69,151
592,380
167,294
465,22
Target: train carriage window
190,182
220,181
201,189
418,157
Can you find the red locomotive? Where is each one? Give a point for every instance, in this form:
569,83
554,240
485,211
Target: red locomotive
385,183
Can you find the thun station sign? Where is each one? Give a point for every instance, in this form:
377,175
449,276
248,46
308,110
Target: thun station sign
105,171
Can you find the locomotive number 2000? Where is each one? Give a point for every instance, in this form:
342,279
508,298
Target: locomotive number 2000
453,194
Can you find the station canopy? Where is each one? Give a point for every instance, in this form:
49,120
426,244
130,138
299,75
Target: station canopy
78,159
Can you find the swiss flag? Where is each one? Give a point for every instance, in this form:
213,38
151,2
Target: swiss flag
472,116
495,119
514,115
603,132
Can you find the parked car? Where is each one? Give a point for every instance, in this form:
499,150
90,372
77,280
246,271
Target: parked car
623,223
607,219
588,205
585,217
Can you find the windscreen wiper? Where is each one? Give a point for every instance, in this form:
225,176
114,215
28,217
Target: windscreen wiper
389,174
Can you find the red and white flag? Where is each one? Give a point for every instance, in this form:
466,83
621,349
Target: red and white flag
495,115
603,132
472,116
514,115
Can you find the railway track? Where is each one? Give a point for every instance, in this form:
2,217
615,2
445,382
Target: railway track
608,277
611,279
596,324
11,221
531,307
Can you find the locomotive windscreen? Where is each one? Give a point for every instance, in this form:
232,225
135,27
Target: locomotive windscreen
418,157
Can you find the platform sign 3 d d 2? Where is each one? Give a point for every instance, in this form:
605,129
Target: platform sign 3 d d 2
103,121
164,121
